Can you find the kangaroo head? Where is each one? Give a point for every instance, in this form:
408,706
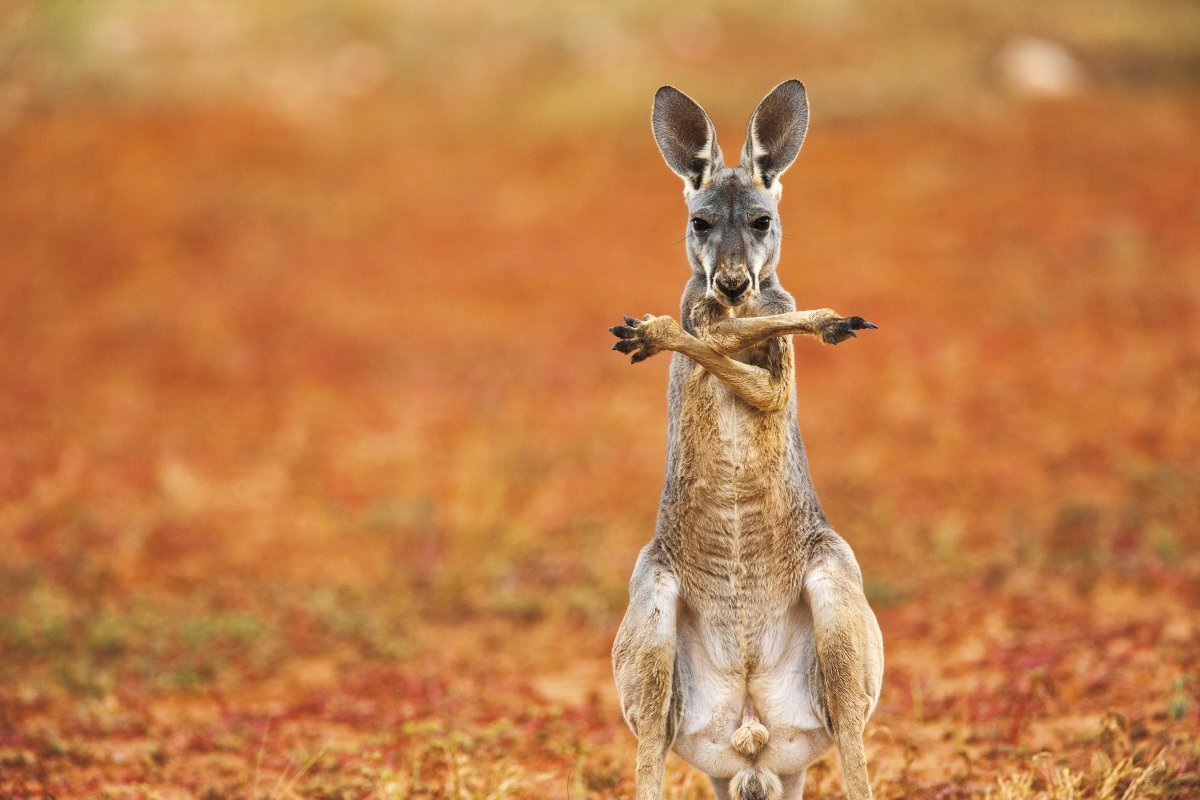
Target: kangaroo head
733,235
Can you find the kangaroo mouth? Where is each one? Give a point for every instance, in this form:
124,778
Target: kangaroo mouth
732,295
728,303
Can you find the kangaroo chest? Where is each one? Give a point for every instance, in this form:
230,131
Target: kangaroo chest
735,506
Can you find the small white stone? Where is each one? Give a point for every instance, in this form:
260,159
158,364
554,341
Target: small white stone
1036,67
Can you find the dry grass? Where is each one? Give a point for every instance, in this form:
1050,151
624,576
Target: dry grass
317,479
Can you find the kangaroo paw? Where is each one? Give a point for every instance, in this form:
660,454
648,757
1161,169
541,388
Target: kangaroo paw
840,329
642,338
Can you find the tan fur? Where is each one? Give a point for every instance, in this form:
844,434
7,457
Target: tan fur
748,645
750,738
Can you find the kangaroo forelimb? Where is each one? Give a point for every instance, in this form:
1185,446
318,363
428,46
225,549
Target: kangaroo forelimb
754,385
732,335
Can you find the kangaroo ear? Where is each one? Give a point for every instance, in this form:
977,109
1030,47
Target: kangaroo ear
686,137
776,133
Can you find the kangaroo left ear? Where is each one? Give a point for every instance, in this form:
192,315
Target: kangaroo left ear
775,134
686,137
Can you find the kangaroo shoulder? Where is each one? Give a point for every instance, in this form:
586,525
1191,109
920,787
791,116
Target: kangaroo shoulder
775,300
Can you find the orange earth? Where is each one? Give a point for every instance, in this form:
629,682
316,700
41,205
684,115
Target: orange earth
317,478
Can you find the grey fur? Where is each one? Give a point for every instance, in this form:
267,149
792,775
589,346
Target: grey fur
748,646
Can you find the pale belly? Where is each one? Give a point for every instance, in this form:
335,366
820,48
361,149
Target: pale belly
720,693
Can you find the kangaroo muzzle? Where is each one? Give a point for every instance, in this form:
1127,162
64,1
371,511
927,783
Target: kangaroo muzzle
732,286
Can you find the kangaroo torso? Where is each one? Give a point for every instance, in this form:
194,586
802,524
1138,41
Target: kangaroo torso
737,511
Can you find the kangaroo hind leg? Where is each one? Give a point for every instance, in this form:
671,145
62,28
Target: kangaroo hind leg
644,668
849,647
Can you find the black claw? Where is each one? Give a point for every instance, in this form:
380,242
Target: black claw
630,320
625,346
641,355
858,323
623,332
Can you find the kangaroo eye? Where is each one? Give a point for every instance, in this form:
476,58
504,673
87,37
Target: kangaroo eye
761,224
700,225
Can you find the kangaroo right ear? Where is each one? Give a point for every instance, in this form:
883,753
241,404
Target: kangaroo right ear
686,137
776,134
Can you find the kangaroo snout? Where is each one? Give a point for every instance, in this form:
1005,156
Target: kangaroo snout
733,286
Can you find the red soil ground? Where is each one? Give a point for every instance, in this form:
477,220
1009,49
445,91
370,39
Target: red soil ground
317,478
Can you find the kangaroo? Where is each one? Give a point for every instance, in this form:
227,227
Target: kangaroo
748,645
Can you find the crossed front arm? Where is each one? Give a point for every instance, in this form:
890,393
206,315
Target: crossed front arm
715,343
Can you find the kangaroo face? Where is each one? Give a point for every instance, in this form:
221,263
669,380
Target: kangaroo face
733,233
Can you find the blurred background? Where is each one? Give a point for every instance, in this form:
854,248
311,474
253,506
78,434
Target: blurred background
317,478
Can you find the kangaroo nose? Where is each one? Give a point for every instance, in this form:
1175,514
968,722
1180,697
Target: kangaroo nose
733,292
